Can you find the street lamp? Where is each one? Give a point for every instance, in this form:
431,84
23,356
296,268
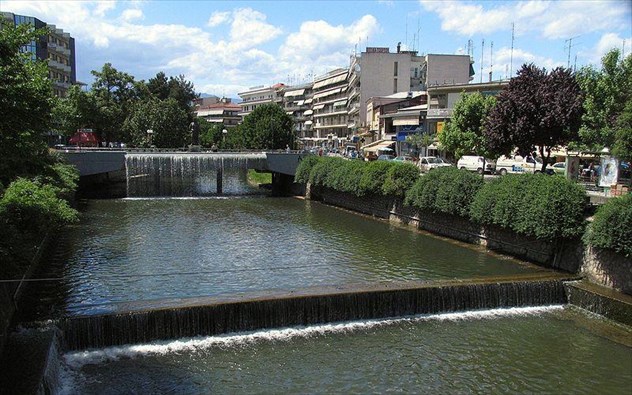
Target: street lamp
150,132
224,133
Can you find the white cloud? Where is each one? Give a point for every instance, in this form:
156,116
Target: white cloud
607,42
550,19
132,14
217,18
249,28
103,7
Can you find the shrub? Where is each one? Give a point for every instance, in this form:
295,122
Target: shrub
446,190
399,179
29,206
63,177
305,167
532,204
373,177
612,226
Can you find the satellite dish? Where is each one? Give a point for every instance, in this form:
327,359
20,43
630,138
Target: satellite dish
356,68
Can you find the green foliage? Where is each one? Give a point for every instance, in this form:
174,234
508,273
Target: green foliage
210,133
267,127
532,204
623,138
29,206
608,93
167,120
445,190
374,176
464,133
611,227
255,177
399,179
75,111
62,177
177,88
305,168
25,105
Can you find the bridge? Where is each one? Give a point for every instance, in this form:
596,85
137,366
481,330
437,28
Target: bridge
94,161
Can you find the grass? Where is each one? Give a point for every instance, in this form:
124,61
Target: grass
259,178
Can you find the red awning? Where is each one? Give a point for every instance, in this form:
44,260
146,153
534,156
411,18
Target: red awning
84,139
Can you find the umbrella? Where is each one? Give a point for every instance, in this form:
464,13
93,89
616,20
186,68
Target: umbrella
84,138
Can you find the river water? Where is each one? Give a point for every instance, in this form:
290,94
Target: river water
135,250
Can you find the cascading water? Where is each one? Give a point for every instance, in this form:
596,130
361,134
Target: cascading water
190,174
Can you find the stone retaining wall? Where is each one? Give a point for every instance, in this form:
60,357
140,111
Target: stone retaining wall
599,266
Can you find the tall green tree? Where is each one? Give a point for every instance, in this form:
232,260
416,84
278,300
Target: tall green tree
537,110
177,88
464,133
26,100
78,109
607,92
267,127
165,118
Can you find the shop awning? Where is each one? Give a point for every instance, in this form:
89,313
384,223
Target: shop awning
377,146
297,92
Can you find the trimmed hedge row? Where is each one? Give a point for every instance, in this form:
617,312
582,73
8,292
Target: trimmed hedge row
357,177
612,226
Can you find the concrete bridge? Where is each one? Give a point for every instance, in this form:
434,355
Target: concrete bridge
95,161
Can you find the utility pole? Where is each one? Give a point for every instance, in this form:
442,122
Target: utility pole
512,45
491,61
482,57
570,45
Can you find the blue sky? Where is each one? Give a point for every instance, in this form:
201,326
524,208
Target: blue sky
225,47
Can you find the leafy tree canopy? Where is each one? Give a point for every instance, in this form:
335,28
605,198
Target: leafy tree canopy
177,88
464,133
267,127
537,109
164,117
608,93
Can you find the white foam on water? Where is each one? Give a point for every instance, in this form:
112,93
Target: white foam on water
77,359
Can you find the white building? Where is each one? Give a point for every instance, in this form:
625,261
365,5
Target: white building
329,105
259,95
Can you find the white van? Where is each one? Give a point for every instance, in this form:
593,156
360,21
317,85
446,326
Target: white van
518,164
477,164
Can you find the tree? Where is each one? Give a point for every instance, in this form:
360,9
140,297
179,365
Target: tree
165,118
537,110
25,104
77,110
267,127
177,88
210,133
623,138
607,94
464,133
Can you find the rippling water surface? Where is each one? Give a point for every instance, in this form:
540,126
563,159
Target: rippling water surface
552,350
145,249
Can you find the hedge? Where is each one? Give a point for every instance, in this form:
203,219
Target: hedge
612,226
535,205
445,190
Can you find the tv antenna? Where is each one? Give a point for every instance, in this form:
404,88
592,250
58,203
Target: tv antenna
512,45
570,45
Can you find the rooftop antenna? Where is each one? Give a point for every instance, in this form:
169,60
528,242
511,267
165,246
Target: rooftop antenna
491,61
512,45
570,45
418,35
406,40
482,57
575,65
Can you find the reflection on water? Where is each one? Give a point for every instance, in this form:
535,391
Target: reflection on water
525,350
144,249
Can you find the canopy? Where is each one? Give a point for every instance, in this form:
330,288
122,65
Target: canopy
84,138
381,146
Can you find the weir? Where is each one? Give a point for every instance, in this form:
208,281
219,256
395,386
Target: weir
213,316
190,174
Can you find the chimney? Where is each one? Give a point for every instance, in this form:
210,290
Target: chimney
399,46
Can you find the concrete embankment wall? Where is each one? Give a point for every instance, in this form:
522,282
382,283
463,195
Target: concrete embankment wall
602,267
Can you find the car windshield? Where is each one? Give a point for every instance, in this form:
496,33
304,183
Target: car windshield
434,160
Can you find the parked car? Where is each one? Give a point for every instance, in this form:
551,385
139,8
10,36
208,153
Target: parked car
559,168
385,157
519,164
403,158
427,163
478,164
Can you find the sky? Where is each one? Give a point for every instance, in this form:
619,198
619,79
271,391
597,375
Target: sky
227,47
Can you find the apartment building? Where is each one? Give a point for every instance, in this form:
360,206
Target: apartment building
259,95
377,72
297,102
329,105
57,49
218,111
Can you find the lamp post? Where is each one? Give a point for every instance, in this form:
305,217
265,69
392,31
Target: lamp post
224,133
150,132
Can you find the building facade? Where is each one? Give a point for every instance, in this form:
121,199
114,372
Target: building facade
329,105
220,112
297,102
57,49
259,95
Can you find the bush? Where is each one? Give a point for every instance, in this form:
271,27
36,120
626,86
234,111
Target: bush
29,206
305,167
399,179
532,204
62,177
612,226
373,177
445,190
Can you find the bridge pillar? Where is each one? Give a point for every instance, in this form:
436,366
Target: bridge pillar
220,175
282,184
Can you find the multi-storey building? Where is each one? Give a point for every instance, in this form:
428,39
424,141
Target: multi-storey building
297,102
378,72
221,112
57,48
259,95
330,105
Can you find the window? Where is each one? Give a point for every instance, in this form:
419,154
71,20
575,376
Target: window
395,69
394,85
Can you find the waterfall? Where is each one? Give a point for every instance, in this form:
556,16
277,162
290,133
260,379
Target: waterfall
212,316
190,174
